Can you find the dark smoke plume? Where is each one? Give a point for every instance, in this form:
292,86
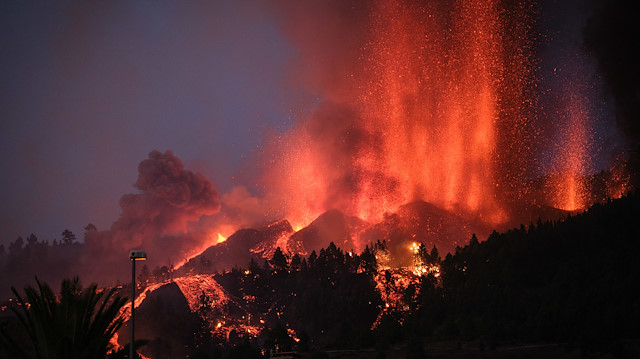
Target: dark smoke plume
158,220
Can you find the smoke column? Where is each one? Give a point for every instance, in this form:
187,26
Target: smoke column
161,219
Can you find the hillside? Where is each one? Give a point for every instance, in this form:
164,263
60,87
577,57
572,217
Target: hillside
565,288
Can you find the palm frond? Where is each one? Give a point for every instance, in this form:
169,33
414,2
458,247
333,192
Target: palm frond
78,323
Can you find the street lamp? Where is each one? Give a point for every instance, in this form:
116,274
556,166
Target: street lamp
134,256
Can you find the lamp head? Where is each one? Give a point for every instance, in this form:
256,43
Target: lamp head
137,255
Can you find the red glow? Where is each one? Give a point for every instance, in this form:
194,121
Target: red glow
572,158
421,121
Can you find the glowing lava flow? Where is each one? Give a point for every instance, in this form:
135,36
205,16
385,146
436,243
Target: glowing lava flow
199,291
392,283
221,238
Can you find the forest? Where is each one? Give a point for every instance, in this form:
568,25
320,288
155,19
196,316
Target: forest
568,284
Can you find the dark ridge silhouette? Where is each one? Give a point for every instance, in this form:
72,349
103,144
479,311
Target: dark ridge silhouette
423,222
331,226
240,247
557,289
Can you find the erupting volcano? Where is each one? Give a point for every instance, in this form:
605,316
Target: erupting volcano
439,105
418,131
419,122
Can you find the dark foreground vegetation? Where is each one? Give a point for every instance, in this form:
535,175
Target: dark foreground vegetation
549,289
75,323
568,285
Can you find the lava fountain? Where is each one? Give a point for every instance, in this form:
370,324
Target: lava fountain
570,187
433,98
438,107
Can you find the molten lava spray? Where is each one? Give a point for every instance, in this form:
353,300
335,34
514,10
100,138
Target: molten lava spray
571,164
432,96
435,107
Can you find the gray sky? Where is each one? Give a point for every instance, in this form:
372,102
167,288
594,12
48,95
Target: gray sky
88,89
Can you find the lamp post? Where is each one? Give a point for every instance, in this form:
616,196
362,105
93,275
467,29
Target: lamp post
134,256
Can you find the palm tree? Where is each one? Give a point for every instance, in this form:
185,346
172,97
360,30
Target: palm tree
78,323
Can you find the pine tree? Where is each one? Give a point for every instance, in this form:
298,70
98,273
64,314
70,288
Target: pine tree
68,237
279,261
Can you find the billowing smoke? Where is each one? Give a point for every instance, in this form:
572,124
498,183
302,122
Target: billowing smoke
162,219
239,209
170,198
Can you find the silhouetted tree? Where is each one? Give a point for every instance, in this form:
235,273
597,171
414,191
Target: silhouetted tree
160,272
434,256
368,261
15,247
423,253
32,240
312,258
279,261
77,323
474,240
295,262
68,237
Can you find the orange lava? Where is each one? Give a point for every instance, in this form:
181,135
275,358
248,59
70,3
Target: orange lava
432,95
572,160
422,119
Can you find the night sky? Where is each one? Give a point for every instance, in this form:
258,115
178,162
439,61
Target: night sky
88,90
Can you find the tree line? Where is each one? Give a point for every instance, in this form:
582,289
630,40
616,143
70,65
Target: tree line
568,282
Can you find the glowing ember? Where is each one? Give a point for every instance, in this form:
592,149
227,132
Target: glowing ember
415,247
221,238
392,283
572,156
293,335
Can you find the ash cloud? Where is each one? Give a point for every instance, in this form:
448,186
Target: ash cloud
242,209
162,219
170,196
